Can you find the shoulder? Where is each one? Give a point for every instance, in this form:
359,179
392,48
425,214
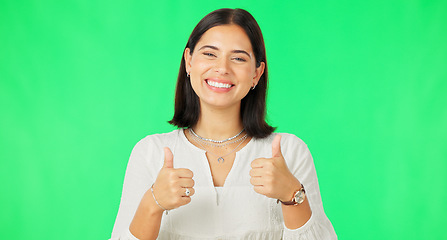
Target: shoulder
290,144
291,141
149,150
296,153
160,139
156,142
287,139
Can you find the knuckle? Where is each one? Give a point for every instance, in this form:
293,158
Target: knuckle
254,163
172,185
172,174
252,181
259,190
173,191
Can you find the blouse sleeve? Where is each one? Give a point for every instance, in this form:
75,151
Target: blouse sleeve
138,179
301,164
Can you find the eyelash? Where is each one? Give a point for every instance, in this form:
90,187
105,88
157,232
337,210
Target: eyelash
209,54
240,59
236,58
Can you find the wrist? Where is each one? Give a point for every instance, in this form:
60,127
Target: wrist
151,206
298,197
292,187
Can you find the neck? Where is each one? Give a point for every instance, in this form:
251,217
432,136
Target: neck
219,124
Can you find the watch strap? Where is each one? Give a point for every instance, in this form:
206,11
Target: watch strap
293,202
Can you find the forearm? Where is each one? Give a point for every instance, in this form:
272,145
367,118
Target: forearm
296,216
146,222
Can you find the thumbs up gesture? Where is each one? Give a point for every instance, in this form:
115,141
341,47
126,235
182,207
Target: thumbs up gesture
174,186
271,176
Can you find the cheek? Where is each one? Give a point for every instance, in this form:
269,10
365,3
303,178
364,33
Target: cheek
195,81
199,66
245,74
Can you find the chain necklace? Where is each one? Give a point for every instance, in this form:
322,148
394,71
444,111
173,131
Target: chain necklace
215,141
219,145
221,158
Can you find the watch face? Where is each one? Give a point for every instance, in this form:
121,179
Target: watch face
299,197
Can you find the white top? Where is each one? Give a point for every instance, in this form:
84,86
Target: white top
234,211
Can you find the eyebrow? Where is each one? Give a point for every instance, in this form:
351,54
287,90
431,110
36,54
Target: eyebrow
234,51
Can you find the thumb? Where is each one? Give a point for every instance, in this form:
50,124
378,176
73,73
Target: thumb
276,146
169,158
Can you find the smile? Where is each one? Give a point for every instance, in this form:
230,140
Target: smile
218,84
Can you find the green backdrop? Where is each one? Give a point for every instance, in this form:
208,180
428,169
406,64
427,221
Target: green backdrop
363,83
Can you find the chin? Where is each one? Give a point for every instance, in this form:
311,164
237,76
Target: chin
220,103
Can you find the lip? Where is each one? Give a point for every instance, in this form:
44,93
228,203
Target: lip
219,80
216,89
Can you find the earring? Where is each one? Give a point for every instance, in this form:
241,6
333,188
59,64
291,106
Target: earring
253,88
187,74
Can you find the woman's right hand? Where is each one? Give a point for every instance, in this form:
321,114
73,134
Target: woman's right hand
169,191
171,184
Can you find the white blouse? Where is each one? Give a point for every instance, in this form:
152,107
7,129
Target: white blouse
234,211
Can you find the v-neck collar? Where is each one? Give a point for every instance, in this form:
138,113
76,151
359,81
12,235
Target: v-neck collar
205,164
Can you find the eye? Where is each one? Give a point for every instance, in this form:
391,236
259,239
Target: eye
239,59
208,54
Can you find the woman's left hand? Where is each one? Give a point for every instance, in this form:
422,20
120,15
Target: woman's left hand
271,176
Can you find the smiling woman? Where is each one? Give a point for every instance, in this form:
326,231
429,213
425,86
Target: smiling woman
223,63
222,174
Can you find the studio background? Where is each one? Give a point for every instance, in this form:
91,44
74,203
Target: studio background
363,83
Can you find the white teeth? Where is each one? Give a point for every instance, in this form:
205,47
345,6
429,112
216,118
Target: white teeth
218,84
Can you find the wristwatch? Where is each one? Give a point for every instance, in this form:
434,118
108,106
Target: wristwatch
298,197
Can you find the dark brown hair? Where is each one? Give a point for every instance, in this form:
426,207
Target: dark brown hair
187,104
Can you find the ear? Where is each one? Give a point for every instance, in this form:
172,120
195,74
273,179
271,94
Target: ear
187,56
258,73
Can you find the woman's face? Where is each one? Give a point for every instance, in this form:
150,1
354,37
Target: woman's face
222,67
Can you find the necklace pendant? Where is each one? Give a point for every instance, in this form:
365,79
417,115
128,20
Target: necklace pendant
220,159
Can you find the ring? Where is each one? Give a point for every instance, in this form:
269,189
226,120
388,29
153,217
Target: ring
187,192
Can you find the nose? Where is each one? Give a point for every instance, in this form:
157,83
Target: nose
221,66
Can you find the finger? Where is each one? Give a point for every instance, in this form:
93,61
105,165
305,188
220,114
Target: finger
169,158
256,172
258,163
276,146
256,181
259,189
184,173
182,192
186,182
185,200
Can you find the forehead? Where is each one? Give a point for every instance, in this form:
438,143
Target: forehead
226,37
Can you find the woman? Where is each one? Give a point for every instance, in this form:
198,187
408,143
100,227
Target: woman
222,174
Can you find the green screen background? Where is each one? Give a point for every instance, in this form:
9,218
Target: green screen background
363,83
